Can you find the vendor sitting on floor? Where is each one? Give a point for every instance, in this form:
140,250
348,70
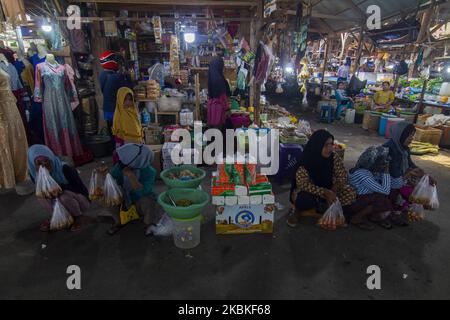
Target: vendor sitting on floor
321,178
404,173
136,176
372,181
343,101
383,99
74,197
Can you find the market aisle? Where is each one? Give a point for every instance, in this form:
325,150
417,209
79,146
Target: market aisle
290,264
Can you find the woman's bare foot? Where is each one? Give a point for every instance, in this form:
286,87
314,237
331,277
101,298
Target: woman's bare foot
79,224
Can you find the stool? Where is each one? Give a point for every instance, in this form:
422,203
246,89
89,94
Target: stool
289,157
326,114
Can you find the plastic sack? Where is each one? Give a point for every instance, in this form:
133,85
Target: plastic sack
164,228
333,217
434,203
112,194
424,193
129,215
61,218
416,212
46,186
96,185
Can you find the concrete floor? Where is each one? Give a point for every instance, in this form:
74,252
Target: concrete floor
302,263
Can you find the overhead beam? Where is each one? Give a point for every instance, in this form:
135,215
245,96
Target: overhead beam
218,3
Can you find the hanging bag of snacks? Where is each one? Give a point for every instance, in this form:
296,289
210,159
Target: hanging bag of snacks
424,193
112,194
333,217
46,186
61,218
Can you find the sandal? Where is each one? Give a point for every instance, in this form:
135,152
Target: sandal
366,226
45,226
385,224
292,220
114,229
398,220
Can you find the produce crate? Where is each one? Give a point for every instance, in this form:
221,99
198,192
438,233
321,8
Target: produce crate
428,135
445,140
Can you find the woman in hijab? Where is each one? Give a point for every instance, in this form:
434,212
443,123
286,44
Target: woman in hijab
321,178
75,196
372,181
136,176
127,127
219,92
404,173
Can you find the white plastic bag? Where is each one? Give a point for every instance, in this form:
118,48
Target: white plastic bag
164,228
424,192
61,219
333,217
112,194
46,186
96,185
416,212
434,203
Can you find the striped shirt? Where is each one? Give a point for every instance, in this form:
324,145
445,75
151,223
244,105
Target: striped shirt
365,182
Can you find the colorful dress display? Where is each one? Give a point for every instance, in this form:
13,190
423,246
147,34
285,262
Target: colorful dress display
60,131
36,107
13,140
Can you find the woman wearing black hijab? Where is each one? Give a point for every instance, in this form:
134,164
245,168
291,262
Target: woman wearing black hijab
219,92
320,179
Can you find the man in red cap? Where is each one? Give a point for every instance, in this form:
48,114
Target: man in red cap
111,80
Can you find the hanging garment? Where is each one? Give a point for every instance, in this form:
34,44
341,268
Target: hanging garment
15,82
14,10
9,54
71,74
13,140
36,119
27,76
60,131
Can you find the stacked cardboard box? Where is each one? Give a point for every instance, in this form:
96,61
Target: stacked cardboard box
243,208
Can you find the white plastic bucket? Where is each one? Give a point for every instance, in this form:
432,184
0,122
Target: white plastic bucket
186,233
350,116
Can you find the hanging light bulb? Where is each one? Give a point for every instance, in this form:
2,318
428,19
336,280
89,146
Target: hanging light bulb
46,26
189,37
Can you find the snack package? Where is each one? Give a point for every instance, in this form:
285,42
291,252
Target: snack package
240,174
425,194
333,217
61,219
46,186
112,194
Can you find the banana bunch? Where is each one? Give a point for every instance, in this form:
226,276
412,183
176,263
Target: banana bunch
421,148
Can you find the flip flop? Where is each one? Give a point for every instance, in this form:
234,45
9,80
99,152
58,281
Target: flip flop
385,224
114,229
366,226
45,226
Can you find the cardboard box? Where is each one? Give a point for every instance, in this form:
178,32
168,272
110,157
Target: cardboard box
268,199
245,219
157,149
218,201
241,190
231,201
243,200
254,200
152,135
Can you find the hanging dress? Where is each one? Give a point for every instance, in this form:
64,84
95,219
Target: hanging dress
36,122
13,140
55,90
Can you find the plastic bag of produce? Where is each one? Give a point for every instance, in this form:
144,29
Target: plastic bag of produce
434,203
333,217
96,185
61,218
416,212
111,192
423,192
46,186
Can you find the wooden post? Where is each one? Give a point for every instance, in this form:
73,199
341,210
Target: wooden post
360,48
257,25
198,115
325,59
421,106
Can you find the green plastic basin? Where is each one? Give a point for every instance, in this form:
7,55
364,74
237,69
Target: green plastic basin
175,183
199,198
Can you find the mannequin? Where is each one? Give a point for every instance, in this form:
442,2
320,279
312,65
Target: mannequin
50,58
42,51
55,89
13,153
